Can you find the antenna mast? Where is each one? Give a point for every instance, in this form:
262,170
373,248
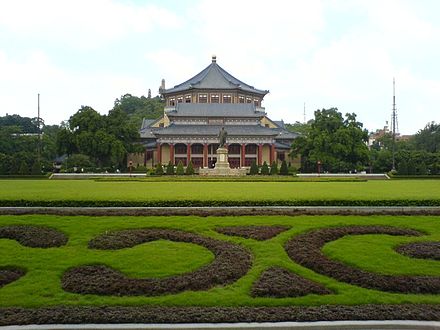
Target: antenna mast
304,112
39,130
393,123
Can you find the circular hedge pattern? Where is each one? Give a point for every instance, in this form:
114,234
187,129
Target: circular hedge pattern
231,262
8,275
305,249
277,282
33,236
422,250
259,233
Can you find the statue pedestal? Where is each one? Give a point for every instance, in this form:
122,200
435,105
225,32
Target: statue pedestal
222,166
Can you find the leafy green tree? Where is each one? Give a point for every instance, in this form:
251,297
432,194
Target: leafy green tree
24,168
189,169
159,169
265,169
36,168
428,138
180,170
273,168
284,170
338,143
254,168
170,168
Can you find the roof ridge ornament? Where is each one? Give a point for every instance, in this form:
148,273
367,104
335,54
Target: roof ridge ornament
214,58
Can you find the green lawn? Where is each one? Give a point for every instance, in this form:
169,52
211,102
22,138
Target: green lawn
136,191
41,286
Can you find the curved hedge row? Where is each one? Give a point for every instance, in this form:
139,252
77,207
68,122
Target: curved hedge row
219,203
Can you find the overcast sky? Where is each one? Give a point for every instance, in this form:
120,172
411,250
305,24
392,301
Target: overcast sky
329,53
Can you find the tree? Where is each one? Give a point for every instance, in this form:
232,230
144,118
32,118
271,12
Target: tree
24,168
159,169
170,168
36,168
284,170
428,138
254,168
180,170
338,143
273,168
189,169
264,169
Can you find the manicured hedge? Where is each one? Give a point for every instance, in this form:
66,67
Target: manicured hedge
218,203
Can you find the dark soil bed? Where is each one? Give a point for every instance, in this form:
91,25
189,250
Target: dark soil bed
96,315
33,236
231,262
305,249
277,282
260,233
9,275
422,250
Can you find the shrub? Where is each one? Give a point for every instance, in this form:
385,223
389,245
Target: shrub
254,168
284,170
159,169
139,169
274,168
36,168
24,169
170,168
180,170
189,169
265,169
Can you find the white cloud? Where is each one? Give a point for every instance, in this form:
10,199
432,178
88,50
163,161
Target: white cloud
82,23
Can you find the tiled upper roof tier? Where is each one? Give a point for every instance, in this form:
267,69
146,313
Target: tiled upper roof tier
214,77
228,110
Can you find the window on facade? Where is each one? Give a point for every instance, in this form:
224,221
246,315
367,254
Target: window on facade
227,98
251,149
281,156
241,99
248,100
249,161
234,162
180,99
197,149
172,102
149,155
234,149
256,102
215,98
180,148
188,99
203,98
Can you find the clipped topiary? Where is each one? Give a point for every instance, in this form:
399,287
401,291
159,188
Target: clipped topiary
264,169
159,169
189,169
170,168
180,170
284,170
274,168
254,168
24,169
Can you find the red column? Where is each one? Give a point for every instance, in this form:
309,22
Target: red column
188,153
243,151
205,155
172,153
272,153
159,154
260,154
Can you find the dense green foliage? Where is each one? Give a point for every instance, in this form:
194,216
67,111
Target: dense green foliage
284,170
264,169
273,168
170,169
254,168
159,169
180,170
189,169
40,287
337,143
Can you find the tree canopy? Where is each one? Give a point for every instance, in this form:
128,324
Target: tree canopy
338,143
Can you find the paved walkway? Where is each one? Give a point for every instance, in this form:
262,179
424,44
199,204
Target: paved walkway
225,211
416,325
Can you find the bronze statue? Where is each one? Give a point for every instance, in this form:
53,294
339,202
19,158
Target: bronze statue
222,135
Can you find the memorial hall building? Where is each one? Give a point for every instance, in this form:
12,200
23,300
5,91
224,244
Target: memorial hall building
195,112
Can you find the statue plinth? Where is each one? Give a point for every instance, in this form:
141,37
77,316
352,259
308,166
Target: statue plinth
222,158
222,166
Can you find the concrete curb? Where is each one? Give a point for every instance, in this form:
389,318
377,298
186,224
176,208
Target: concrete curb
400,324
223,211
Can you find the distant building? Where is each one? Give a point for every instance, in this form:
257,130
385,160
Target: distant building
198,108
